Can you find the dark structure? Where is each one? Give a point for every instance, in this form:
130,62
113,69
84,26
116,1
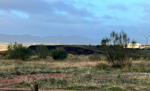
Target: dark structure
73,49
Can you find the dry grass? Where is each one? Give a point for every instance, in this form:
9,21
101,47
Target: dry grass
72,64
71,61
3,46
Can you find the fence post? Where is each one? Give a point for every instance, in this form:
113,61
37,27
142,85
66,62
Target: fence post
34,87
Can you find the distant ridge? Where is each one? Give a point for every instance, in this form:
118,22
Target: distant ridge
49,39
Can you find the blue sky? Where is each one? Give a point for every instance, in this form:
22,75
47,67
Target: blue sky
87,18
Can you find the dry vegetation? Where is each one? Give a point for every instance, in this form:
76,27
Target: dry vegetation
86,74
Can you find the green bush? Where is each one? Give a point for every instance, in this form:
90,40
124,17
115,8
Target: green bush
59,54
102,66
18,51
42,51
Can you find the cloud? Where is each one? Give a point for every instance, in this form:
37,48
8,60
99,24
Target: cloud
107,17
121,7
48,22
29,6
146,11
42,7
70,9
57,11
20,14
143,8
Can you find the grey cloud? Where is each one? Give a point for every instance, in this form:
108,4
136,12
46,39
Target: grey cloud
107,17
61,19
28,6
146,7
122,7
16,25
143,8
42,7
46,12
70,9
146,11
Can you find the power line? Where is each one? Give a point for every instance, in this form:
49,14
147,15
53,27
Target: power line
146,39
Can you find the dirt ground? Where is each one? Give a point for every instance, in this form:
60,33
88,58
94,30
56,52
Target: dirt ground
20,78
4,81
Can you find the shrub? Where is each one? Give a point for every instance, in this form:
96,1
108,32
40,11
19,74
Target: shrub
95,56
102,66
59,54
3,54
136,56
146,57
42,51
115,49
116,66
142,67
18,51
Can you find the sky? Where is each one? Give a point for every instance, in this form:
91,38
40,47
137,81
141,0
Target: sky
94,19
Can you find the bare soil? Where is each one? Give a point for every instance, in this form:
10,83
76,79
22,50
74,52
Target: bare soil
4,81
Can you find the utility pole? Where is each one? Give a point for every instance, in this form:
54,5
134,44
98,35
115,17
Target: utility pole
146,39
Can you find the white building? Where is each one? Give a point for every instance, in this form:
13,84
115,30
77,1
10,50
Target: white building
135,45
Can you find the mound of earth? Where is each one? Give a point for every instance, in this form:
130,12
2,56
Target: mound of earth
73,49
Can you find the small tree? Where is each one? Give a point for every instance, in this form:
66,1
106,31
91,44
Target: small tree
115,49
18,51
42,51
59,54
133,43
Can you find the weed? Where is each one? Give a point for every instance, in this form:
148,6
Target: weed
131,88
102,66
82,88
95,56
17,86
115,89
